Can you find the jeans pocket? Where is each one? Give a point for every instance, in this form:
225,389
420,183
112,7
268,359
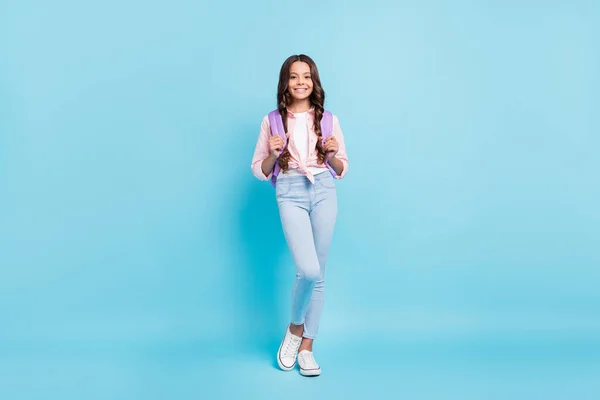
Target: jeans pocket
282,188
328,182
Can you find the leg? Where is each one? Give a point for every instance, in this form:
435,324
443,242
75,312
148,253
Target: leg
299,236
323,217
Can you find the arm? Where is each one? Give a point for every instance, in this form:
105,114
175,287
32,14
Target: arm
262,163
267,165
337,165
339,161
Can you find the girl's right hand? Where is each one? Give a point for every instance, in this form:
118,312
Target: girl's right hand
275,146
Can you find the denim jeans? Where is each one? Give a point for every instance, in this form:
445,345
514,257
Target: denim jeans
308,213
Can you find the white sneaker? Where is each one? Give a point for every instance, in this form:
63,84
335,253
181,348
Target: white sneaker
288,351
308,365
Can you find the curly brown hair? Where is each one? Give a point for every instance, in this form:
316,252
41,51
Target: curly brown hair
317,100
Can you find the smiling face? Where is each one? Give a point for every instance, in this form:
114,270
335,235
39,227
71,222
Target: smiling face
300,84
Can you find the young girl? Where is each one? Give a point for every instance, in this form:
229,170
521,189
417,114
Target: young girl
302,167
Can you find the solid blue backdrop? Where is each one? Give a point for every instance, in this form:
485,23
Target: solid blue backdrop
140,258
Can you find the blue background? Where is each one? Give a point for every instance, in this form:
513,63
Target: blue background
141,259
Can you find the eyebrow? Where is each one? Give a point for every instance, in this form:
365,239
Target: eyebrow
296,73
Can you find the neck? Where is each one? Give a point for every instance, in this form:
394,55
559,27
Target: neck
299,106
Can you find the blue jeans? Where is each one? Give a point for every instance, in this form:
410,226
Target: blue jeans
308,213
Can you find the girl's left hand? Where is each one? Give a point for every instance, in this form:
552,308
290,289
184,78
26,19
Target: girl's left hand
331,147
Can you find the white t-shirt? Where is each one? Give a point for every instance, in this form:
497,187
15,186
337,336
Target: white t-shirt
301,135
301,140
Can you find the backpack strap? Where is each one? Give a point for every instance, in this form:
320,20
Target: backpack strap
326,125
277,124
326,131
277,128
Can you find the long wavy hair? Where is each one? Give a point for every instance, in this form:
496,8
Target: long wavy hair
317,100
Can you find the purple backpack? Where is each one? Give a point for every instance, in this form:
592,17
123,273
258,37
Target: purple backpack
277,129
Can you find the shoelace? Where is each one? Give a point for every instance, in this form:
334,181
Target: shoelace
292,346
308,359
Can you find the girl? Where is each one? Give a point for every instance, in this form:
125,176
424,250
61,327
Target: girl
303,167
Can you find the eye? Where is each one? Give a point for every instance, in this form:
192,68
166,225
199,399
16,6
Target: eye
293,77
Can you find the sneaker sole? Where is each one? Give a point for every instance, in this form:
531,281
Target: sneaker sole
310,372
283,367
